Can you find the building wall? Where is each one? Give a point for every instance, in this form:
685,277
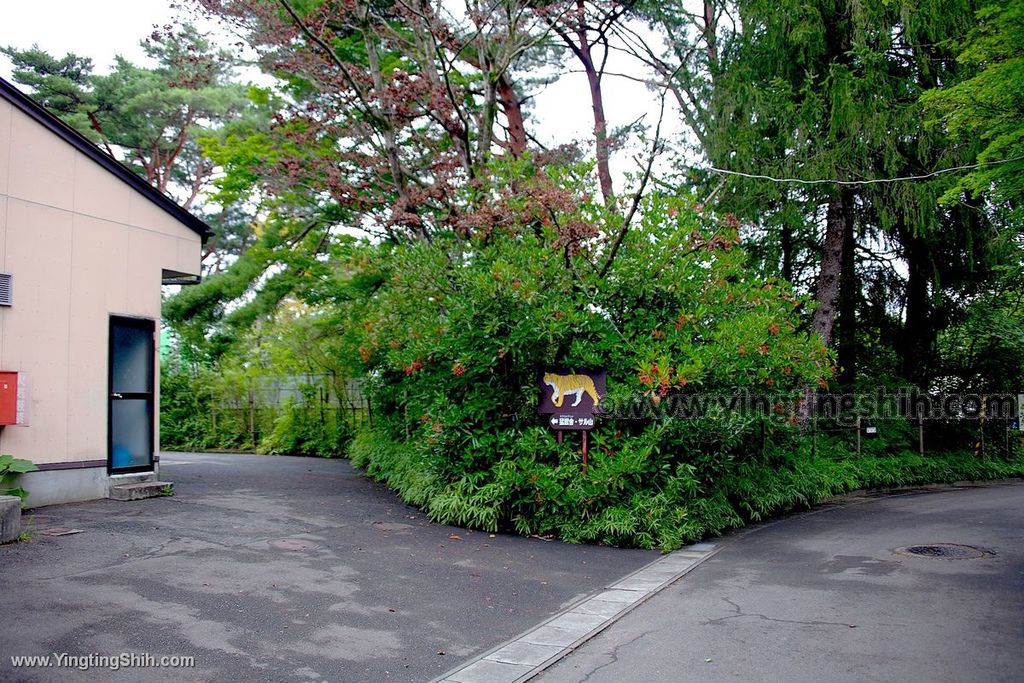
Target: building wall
81,245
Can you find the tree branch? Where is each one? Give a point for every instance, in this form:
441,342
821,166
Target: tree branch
637,196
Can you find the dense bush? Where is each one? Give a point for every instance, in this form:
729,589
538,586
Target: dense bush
452,334
304,428
199,411
277,391
684,510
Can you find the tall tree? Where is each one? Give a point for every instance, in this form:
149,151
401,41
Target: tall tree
585,28
404,120
986,107
392,108
152,117
830,93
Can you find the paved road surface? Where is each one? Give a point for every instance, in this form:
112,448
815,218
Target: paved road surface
214,572
823,597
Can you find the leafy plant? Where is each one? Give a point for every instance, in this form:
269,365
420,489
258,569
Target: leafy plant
279,390
452,333
11,469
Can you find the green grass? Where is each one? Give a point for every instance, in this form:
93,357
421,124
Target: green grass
758,492
527,495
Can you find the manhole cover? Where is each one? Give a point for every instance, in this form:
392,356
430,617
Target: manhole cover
949,551
293,544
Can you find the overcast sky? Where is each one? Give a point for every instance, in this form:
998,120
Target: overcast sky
99,29
102,29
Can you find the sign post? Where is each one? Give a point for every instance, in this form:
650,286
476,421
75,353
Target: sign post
584,453
570,399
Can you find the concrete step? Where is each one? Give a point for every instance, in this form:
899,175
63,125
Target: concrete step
135,478
140,490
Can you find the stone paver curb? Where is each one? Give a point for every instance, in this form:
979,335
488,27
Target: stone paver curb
529,653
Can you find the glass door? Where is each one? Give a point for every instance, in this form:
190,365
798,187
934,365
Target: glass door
130,426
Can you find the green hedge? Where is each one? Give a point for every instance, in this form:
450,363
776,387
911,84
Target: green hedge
549,495
451,335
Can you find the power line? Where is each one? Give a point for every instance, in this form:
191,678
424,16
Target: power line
873,181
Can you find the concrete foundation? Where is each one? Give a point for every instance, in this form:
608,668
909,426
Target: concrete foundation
50,487
10,518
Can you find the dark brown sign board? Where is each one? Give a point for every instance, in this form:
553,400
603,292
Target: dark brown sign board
571,398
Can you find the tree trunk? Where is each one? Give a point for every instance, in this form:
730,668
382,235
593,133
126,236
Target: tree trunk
786,244
917,333
604,174
387,115
831,266
513,114
849,290
839,207
710,30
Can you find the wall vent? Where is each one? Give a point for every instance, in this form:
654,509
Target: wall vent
6,289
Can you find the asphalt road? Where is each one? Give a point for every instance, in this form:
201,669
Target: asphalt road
826,596
278,569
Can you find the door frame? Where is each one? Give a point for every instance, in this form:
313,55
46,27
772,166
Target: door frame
149,325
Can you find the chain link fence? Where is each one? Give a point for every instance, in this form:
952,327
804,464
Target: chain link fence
298,413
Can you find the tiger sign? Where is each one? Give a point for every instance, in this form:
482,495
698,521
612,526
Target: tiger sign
571,397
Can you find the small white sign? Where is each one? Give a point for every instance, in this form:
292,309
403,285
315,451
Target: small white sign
21,404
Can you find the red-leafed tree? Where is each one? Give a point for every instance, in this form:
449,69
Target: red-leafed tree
393,111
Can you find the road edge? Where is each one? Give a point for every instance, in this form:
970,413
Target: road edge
522,657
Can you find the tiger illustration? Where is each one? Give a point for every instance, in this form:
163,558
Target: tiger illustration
563,385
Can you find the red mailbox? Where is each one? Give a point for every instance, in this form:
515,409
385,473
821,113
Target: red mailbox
8,398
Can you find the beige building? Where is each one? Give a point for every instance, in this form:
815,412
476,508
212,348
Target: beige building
84,247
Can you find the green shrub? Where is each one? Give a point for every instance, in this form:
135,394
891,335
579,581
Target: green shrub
11,469
301,429
451,336
235,404
185,408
